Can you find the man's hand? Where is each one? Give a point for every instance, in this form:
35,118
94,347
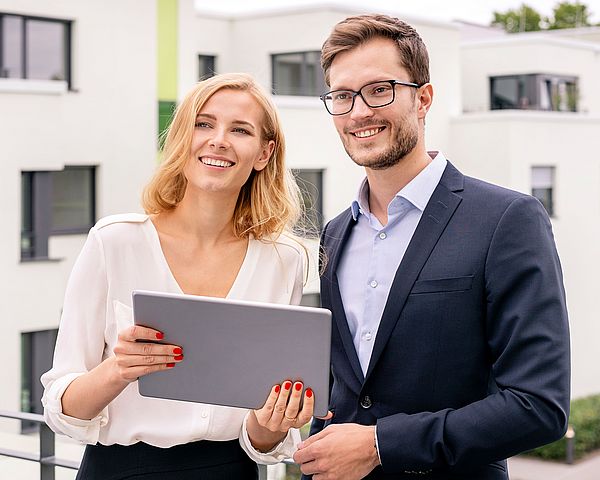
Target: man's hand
346,451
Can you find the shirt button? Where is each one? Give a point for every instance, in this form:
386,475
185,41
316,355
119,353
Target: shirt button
373,283
366,402
367,336
382,235
204,414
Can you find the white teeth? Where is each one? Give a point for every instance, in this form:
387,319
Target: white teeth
215,163
367,133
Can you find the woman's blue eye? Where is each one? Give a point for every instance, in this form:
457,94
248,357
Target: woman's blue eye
241,130
202,125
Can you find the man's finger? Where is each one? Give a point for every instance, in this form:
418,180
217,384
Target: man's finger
313,438
329,416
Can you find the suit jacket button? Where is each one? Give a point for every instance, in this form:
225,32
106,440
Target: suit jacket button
366,402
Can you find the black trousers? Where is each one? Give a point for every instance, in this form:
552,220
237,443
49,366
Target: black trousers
202,460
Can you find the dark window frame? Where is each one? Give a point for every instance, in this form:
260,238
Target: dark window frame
67,51
212,62
37,348
545,195
305,82
39,212
528,92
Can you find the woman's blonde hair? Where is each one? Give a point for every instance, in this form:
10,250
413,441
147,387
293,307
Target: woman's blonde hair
268,203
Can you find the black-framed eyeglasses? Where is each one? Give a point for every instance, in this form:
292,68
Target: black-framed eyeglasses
375,95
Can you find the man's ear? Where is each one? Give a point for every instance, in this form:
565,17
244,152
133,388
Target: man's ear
424,99
265,155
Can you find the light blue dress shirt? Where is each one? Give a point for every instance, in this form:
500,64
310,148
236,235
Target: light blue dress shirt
373,253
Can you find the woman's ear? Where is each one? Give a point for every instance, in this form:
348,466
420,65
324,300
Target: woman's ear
265,155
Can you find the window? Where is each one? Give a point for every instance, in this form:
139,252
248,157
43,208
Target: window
206,66
53,203
542,187
37,350
35,48
311,189
298,74
534,92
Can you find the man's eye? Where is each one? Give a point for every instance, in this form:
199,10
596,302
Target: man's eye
380,90
341,96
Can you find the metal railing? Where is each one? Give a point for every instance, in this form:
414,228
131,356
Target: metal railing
45,457
47,438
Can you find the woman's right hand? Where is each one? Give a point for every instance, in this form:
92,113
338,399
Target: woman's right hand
138,354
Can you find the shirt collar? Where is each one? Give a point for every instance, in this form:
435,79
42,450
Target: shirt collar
418,191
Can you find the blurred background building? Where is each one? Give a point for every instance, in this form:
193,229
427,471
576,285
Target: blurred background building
86,88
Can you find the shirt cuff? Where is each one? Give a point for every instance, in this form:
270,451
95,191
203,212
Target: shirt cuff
85,431
377,445
284,449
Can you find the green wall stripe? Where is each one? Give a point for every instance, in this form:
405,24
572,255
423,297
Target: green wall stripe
167,49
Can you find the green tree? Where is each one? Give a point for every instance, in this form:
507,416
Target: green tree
522,19
569,15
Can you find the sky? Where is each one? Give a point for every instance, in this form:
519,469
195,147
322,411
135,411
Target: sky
478,11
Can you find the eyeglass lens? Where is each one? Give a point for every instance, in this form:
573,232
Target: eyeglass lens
374,95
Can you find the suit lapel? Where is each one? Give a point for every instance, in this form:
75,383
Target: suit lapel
337,238
437,214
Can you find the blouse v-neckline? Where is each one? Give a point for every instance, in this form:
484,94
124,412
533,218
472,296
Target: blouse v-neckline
162,259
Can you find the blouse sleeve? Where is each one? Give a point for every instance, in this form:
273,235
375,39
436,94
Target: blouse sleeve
284,449
80,343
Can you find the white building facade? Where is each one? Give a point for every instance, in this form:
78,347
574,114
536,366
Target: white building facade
78,126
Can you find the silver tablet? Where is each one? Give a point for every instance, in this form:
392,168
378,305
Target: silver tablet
235,350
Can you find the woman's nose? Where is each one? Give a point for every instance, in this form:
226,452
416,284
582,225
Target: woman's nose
219,140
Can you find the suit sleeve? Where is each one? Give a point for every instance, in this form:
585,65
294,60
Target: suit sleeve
528,340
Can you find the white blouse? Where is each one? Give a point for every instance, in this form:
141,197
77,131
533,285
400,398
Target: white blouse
123,253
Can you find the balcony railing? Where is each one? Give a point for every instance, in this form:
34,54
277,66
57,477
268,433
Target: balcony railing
46,458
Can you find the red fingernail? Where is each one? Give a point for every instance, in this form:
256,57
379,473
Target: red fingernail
287,385
177,350
308,392
178,357
160,335
170,365
298,387
277,388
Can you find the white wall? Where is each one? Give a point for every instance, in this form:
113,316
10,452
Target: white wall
108,120
532,53
501,147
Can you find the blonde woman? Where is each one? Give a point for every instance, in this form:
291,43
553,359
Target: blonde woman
217,213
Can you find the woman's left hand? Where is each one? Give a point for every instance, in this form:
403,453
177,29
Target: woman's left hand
270,424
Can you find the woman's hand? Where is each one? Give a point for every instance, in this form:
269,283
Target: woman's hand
138,354
269,425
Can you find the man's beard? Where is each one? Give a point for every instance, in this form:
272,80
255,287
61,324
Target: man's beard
405,141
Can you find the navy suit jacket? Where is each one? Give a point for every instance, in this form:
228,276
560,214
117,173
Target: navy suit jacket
471,362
